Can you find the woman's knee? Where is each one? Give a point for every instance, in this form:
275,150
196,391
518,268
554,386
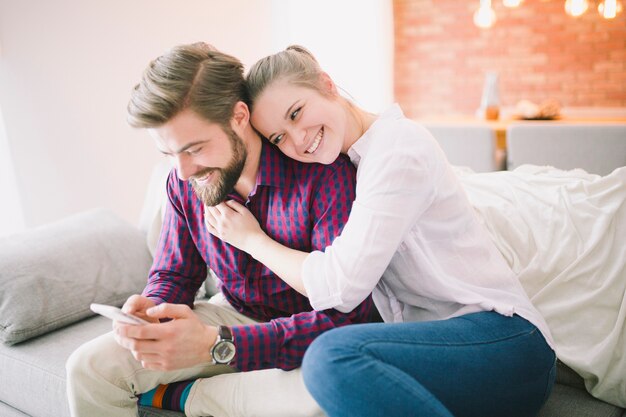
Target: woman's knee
329,358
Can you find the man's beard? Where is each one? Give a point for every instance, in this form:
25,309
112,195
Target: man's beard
216,191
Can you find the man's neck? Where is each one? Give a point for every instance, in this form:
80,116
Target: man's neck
247,180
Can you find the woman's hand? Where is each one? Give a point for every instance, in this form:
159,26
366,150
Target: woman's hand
234,224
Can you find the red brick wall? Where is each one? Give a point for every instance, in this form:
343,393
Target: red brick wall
539,52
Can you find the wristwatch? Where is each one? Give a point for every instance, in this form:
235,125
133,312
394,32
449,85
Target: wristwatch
223,351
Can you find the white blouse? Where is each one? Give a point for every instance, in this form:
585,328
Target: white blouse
412,225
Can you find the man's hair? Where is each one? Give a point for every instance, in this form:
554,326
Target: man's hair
196,77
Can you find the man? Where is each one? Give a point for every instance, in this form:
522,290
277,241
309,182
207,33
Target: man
192,100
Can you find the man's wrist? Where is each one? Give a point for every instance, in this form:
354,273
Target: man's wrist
223,351
212,339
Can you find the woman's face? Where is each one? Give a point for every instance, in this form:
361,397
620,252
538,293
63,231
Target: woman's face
305,124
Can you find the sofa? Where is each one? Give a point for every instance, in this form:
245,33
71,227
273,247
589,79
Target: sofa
50,275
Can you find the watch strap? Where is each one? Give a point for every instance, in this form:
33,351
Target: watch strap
224,333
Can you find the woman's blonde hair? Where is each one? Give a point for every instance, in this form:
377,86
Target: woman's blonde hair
295,64
196,77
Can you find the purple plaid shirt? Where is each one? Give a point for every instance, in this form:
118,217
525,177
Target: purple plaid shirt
303,206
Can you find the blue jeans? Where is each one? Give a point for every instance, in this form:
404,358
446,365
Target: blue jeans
482,364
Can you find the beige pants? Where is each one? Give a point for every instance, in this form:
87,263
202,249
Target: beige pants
104,380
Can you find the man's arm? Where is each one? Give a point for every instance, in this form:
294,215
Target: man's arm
178,270
281,343
185,341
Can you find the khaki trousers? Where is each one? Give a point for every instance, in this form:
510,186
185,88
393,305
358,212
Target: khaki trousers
104,380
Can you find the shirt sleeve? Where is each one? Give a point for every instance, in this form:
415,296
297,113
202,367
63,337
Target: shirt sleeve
396,184
281,343
178,269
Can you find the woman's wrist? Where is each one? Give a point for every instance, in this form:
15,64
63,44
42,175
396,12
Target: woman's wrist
255,243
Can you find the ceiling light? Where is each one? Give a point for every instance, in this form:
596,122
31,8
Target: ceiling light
484,17
609,8
576,7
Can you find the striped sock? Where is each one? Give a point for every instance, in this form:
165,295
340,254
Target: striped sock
169,397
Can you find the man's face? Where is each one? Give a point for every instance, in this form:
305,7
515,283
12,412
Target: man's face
207,155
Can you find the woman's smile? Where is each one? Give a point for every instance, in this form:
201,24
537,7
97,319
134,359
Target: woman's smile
316,141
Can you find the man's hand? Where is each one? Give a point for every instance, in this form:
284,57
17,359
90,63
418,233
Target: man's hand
137,306
180,343
234,224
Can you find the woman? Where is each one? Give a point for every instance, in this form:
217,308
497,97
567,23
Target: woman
464,339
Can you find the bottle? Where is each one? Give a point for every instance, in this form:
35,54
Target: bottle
490,101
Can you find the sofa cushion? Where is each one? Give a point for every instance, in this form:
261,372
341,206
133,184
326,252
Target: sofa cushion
37,366
8,411
567,401
157,412
49,275
32,373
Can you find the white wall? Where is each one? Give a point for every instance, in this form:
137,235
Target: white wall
352,40
67,68
11,216
66,71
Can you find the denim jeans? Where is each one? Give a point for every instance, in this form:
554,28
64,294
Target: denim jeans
480,365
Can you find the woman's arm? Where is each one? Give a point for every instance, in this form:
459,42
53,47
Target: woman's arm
235,225
397,184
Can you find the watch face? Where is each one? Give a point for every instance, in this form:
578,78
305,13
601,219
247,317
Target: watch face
224,351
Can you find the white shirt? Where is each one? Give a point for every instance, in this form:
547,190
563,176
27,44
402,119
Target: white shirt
412,225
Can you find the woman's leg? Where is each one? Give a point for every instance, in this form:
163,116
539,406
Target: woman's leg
480,364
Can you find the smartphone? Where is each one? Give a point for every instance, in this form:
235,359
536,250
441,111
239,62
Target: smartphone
115,313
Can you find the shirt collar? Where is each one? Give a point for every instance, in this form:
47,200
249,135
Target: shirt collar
362,144
271,173
272,169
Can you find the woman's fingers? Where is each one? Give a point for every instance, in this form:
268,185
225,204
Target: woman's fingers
234,205
209,216
220,209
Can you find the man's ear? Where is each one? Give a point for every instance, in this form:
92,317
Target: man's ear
328,85
241,117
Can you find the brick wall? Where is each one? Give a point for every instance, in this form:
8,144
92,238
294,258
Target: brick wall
441,57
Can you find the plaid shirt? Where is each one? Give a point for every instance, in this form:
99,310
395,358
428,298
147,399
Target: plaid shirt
303,206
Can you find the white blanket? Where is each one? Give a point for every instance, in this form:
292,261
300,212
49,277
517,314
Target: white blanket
564,234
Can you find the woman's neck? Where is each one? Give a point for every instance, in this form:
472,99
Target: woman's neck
358,121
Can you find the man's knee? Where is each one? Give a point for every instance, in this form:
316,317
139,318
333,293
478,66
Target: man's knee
92,358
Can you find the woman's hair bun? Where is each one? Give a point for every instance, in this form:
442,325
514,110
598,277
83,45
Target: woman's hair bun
301,50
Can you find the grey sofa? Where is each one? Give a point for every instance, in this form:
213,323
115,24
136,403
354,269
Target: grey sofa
32,372
32,379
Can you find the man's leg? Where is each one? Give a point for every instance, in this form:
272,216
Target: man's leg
104,380
269,392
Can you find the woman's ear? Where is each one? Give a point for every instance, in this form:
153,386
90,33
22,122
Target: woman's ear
241,117
328,85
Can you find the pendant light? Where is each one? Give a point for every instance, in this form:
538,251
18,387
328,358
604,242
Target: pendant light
484,17
576,8
608,9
